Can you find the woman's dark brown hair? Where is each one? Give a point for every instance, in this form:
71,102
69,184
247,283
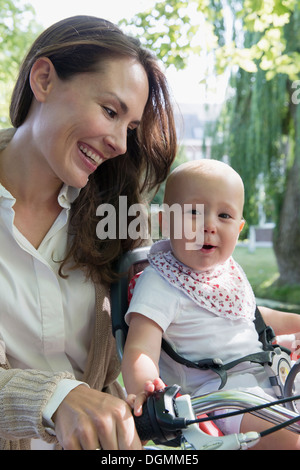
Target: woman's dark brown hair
78,45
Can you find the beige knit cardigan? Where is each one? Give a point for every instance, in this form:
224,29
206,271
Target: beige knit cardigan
24,393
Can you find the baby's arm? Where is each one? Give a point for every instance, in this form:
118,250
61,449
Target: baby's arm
140,368
286,327
283,323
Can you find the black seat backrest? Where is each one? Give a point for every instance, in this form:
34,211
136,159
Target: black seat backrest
130,264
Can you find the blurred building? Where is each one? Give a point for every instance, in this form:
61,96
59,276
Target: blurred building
192,123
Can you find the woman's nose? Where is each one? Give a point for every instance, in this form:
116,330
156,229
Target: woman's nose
118,142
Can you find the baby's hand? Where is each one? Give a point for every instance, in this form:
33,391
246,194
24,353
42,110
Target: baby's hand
136,401
291,342
295,347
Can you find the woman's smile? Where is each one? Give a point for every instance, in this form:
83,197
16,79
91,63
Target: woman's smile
91,154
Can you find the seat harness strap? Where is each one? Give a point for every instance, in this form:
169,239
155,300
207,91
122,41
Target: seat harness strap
266,335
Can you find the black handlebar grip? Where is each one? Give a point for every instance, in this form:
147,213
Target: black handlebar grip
158,421
144,426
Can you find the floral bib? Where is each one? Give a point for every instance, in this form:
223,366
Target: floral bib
224,291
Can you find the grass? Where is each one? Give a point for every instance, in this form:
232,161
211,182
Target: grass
262,272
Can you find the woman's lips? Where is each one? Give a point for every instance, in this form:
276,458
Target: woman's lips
90,153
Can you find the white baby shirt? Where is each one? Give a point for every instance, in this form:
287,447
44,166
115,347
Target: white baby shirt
194,332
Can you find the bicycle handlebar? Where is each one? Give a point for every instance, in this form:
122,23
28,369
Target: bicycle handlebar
167,418
159,420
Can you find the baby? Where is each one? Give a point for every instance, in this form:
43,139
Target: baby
199,299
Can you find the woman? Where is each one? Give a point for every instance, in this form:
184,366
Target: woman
92,121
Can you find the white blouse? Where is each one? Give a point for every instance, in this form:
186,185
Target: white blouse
45,321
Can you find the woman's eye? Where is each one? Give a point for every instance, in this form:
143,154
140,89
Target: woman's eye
110,112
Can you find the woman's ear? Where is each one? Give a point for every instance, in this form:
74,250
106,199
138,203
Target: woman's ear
41,78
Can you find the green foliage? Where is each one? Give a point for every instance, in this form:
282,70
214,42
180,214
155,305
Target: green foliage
167,29
271,52
255,126
17,30
172,29
261,127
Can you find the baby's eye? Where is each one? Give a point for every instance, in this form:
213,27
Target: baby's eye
189,211
195,212
224,216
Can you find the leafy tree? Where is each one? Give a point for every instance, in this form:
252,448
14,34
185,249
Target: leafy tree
17,30
260,124
262,137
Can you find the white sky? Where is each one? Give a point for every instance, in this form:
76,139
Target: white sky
184,84
113,10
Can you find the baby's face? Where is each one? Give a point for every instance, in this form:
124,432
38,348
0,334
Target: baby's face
212,207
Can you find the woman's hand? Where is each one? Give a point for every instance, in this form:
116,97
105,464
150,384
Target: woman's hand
89,420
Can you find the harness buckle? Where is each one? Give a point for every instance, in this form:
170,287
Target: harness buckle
278,370
210,363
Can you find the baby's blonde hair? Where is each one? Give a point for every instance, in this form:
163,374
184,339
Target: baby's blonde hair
205,168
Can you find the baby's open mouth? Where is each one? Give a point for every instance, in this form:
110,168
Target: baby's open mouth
208,248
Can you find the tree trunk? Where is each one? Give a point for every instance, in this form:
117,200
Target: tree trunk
287,234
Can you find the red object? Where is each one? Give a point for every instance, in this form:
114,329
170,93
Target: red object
209,427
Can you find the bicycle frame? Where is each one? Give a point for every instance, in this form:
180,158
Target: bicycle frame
233,399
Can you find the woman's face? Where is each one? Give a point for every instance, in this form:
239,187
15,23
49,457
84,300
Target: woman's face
81,122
